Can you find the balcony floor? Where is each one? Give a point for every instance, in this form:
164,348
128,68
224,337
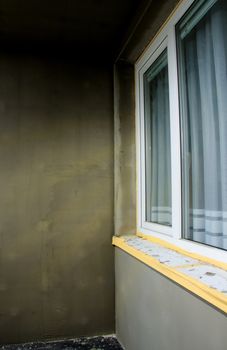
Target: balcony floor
94,343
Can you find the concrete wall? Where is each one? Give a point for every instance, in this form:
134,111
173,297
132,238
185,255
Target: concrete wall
153,313
124,150
145,27
56,207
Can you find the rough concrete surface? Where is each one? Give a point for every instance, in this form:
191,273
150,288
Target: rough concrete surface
56,208
125,150
146,28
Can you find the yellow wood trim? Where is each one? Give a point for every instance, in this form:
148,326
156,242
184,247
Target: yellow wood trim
171,246
210,295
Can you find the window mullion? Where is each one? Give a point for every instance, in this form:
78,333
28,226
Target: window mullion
175,133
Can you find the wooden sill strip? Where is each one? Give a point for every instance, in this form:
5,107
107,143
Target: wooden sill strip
211,295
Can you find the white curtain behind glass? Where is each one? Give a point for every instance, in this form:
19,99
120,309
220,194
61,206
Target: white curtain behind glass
205,52
158,158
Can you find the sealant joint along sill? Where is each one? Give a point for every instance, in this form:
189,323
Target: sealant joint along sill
205,279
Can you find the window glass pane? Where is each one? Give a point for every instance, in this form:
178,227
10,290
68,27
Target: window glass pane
157,143
203,86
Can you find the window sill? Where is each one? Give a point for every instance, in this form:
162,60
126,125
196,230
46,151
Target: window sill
206,279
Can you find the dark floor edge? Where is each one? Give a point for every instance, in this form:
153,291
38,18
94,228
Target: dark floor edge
105,342
59,340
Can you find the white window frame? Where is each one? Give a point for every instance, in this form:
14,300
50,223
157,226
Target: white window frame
166,38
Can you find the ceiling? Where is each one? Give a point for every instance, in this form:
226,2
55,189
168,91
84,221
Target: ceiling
82,26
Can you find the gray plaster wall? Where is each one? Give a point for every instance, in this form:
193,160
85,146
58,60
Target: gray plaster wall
56,203
154,313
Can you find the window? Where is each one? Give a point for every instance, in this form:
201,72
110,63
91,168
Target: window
182,129
157,143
